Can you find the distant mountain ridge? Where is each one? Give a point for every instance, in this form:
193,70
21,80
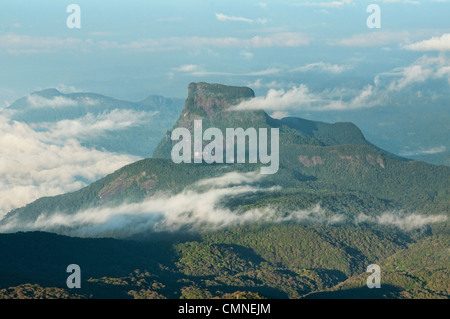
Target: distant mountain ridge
51,106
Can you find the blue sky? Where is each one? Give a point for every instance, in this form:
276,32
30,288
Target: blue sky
135,48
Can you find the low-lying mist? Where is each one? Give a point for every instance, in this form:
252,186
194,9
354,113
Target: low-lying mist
199,207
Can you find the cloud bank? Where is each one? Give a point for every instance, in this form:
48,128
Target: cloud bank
403,221
323,67
373,39
300,97
199,207
224,17
441,43
91,125
46,163
429,151
37,101
325,4
24,44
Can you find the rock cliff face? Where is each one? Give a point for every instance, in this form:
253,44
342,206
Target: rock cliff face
210,96
210,103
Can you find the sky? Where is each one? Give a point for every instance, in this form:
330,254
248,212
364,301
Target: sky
314,59
131,49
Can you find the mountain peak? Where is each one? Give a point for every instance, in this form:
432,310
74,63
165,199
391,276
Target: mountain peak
230,93
205,99
209,102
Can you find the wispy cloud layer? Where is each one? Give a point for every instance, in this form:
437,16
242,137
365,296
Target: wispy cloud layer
200,207
50,162
37,101
24,44
224,17
197,207
441,43
323,67
403,221
91,125
428,151
421,70
324,4
196,70
300,97
373,39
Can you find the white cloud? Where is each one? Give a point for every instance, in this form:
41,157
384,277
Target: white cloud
441,43
258,83
231,179
297,97
198,207
7,95
37,101
301,98
419,71
24,44
18,44
195,70
409,75
262,5
63,88
433,150
255,84
32,166
403,221
187,68
399,1
325,4
281,39
323,67
247,55
279,114
374,39
91,125
224,17
276,39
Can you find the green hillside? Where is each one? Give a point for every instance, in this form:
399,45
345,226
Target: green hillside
420,271
265,261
